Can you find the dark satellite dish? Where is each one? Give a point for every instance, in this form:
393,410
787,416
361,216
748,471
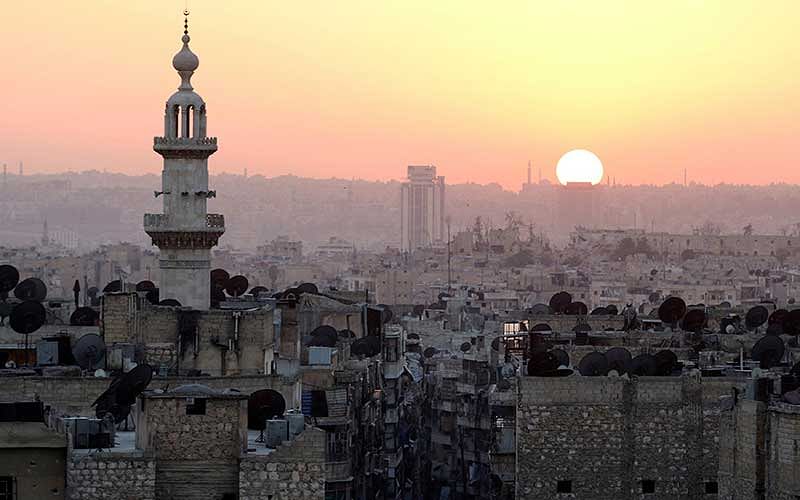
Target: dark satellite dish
217,295
729,321
145,286
791,323
599,311
768,351
323,336
350,334
5,311
672,310
582,328
666,362
31,289
778,316
542,364
725,304
612,310
152,296
654,297
170,303
262,406
219,277
775,329
90,352
540,309
116,401
84,316
541,327
576,309
562,356
694,320
310,288
619,360
9,278
386,313
430,352
593,364
236,286
755,317
92,292
367,346
643,365
113,286
496,344
466,347
560,301
418,310
259,290
27,317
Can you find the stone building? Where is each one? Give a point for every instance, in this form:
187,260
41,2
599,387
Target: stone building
619,438
185,232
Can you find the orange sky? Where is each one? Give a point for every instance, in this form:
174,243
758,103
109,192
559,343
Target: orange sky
360,89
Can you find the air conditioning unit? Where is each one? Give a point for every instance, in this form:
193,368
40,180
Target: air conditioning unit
320,355
90,433
277,432
297,422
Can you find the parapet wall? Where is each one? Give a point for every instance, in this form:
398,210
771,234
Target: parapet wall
612,437
110,476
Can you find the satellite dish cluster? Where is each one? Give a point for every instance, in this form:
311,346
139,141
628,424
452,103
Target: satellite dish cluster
617,360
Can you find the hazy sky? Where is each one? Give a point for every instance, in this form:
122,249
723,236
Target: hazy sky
360,89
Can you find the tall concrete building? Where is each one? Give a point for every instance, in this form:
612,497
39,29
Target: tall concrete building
422,208
185,232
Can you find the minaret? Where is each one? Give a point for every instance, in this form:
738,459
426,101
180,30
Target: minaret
185,232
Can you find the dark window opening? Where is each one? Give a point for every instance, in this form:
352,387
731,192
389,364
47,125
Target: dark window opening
564,487
196,406
712,488
6,488
648,486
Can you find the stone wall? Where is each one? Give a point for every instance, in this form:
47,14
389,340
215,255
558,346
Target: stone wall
614,438
294,471
74,395
110,476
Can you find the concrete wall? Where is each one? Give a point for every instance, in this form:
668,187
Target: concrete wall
607,434
74,395
39,472
109,476
295,471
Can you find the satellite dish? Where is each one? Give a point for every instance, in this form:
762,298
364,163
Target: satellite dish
418,310
27,317
593,364
236,286
599,311
582,327
540,309
672,310
694,320
541,327
31,289
323,336
619,360
116,401
775,329
560,301
768,351
113,286
666,362
84,316
562,356
612,310
791,323
262,406
386,313
145,286
778,316
466,347
307,288
170,303
725,305
9,278
350,334
430,352
496,344
219,277
366,346
258,290
643,365
90,352
5,311
755,317
576,309
542,364
152,296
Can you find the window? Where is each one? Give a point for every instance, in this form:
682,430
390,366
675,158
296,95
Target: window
564,486
712,488
648,486
6,488
195,406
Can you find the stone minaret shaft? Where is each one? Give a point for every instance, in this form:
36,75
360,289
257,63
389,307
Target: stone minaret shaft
185,232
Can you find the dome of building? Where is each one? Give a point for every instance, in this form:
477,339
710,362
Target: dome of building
185,59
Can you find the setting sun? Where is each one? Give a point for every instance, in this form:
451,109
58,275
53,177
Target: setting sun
579,165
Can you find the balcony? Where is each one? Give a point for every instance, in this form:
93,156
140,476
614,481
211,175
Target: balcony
167,234
185,147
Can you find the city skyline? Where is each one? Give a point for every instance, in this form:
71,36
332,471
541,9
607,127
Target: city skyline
362,92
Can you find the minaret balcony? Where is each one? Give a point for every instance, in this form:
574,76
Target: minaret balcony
185,147
167,234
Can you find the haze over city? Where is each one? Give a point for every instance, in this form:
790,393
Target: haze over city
361,90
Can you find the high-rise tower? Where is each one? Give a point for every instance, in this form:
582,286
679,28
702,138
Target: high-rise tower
185,232
421,208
